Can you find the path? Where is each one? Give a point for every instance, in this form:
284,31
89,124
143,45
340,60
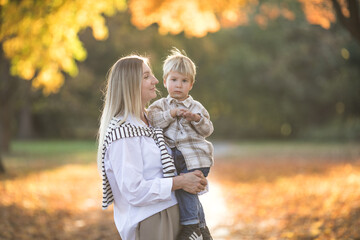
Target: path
218,216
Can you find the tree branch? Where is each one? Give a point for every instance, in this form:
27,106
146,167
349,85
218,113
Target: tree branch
352,24
353,6
339,13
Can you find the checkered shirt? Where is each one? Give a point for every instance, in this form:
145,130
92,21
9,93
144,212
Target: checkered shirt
188,137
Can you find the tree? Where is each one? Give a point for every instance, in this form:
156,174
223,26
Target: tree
198,17
39,39
39,42
323,13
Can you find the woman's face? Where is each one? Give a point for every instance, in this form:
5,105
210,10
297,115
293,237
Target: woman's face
148,89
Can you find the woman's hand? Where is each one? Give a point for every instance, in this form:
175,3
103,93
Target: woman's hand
192,182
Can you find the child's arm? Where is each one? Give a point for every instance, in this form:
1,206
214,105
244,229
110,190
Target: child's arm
200,121
159,116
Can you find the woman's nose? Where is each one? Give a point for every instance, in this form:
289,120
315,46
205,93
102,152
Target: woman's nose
156,81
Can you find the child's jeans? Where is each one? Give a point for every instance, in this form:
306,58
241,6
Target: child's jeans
191,210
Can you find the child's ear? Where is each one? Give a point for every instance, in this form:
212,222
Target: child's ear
164,81
192,84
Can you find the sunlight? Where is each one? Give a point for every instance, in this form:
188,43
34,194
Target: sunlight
319,12
217,213
251,196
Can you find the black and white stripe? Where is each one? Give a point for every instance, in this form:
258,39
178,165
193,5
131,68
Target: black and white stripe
115,132
195,236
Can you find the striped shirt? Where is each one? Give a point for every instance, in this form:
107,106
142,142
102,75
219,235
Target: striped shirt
187,136
128,130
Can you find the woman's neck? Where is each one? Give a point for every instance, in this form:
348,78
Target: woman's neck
144,119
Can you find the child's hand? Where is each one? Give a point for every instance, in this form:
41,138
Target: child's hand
189,116
177,112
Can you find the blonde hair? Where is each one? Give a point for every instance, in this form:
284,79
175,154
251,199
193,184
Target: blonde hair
178,61
122,95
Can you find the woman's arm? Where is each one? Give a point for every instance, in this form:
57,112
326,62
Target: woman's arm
126,161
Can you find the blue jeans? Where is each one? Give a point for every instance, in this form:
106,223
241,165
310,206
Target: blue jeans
191,210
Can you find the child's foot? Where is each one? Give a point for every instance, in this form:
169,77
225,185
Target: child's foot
190,232
206,233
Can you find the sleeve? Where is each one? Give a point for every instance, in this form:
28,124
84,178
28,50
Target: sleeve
158,115
204,127
126,161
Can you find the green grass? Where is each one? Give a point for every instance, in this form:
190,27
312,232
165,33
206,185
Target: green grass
31,156
59,148
41,154
288,149
52,147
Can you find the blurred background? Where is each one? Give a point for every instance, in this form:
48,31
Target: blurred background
280,79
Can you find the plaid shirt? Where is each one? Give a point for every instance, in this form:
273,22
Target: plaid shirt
188,137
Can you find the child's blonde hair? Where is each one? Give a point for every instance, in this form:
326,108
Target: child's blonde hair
178,61
122,95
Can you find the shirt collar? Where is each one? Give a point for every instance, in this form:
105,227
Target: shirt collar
133,120
187,102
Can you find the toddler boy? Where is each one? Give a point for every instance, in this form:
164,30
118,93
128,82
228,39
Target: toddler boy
186,124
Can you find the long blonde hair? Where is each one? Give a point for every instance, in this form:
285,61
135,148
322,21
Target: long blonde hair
122,95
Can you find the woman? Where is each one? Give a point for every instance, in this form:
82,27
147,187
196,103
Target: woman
134,160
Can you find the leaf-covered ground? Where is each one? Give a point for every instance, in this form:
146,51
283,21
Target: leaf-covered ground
275,191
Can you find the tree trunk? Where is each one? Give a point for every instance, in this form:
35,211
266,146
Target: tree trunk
5,126
8,88
351,23
26,130
2,168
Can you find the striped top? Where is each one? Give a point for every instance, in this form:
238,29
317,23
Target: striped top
126,130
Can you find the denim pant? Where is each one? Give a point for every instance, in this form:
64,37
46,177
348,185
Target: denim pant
191,210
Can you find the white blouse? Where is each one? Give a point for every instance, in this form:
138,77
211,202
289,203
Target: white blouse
133,167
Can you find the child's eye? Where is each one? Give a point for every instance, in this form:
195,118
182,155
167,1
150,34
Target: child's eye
185,80
173,79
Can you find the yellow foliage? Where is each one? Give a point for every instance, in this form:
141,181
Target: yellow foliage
198,17
319,12
272,197
50,79
100,31
194,17
315,228
40,37
37,34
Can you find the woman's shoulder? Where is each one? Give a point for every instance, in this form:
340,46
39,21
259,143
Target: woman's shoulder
159,102
129,120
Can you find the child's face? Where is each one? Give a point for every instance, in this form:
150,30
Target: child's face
178,85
